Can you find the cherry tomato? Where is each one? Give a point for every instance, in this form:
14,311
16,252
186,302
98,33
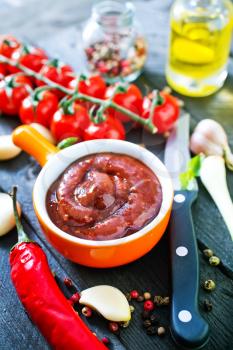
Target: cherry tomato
30,57
8,44
131,99
39,109
165,115
58,72
11,96
3,71
93,86
69,125
111,128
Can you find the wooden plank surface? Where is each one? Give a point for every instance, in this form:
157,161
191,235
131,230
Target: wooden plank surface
56,27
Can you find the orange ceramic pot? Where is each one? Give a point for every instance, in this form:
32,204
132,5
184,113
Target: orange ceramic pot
88,252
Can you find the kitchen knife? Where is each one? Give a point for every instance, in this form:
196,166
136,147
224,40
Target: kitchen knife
188,328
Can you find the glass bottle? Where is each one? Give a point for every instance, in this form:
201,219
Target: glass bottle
200,41
113,43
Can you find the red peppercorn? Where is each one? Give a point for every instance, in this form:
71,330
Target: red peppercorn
86,311
148,305
68,282
113,327
134,294
75,298
105,340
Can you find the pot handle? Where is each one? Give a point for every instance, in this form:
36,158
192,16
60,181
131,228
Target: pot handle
33,143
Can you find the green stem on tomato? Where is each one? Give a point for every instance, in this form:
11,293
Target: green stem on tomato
22,236
77,95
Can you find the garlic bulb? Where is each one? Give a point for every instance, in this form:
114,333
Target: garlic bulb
210,138
7,219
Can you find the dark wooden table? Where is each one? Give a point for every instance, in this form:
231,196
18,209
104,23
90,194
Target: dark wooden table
56,26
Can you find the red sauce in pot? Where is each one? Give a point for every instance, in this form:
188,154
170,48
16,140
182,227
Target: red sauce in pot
104,196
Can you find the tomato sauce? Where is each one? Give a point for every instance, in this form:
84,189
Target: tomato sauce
104,196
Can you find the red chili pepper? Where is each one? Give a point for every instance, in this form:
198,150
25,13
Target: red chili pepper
44,302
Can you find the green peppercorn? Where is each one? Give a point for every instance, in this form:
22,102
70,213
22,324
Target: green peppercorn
166,301
214,261
158,300
146,323
128,296
207,305
131,308
151,330
209,285
208,253
161,331
125,324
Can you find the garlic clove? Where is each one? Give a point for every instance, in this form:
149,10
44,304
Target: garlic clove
8,150
213,177
109,301
44,132
213,131
7,219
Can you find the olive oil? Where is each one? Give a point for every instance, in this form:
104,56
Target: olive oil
200,41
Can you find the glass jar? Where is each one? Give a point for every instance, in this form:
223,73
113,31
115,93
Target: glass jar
200,41
113,43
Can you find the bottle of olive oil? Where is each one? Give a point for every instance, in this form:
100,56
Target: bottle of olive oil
199,45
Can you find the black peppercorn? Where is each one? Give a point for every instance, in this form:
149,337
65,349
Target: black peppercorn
146,323
140,298
145,315
207,305
154,319
151,330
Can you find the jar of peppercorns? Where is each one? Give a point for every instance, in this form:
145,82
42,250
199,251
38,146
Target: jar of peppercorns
113,42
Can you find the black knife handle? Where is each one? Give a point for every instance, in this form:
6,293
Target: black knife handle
188,328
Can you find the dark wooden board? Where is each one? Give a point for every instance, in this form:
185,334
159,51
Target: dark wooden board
56,27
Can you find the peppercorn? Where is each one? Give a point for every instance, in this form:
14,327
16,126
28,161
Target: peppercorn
145,314
146,323
148,305
151,330
140,298
75,298
86,311
68,282
154,319
134,294
207,305
113,327
105,340
131,307
209,285
147,296
128,296
161,301
214,261
208,253
125,324
161,331
166,301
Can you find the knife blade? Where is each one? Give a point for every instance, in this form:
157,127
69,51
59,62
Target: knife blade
188,328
